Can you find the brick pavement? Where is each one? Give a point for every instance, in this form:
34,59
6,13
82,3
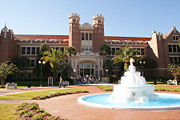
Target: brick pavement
68,107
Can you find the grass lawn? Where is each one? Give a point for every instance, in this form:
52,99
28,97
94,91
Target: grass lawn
152,82
31,95
105,87
173,89
8,112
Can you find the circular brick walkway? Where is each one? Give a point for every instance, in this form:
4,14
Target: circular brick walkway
67,107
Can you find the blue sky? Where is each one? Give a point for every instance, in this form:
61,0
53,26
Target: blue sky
122,17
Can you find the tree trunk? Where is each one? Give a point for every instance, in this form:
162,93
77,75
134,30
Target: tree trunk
2,81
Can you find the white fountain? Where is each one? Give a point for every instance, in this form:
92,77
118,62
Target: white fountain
133,88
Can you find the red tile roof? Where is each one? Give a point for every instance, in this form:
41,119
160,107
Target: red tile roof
42,36
67,37
164,36
127,38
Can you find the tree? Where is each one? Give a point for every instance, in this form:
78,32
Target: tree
105,50
45,68
54,57
70,50
175,70
21,62
6,69
123,55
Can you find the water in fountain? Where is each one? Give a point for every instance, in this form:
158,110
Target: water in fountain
133,87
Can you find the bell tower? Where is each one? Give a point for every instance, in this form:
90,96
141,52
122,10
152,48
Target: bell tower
98,34
7,44
74,31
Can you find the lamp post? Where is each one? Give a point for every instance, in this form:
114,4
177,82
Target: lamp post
74,70
142,63
107,72
41,62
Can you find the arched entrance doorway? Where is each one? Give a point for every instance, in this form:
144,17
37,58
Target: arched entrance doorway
87,68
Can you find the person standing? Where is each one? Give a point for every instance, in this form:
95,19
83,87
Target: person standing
60,81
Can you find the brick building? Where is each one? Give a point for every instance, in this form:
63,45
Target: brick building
87,39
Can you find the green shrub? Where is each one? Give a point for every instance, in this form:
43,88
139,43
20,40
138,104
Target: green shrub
52,118
37,117
21,112
21,106
45,114
33,106
40,110
28,114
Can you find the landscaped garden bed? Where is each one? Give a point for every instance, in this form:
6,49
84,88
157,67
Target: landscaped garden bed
42,94
31,111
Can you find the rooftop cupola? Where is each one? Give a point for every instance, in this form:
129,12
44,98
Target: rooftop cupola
74,18
5,29
98,19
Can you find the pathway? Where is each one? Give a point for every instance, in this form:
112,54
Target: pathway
67,107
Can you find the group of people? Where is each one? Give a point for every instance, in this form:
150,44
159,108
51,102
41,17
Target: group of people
87,79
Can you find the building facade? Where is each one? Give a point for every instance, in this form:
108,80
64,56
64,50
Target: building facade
87,39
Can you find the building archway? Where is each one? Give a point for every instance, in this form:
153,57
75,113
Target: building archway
87,68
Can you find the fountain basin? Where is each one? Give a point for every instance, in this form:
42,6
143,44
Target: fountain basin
165,102
140,93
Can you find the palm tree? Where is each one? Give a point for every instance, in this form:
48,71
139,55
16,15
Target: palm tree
45,68
6,69
54,57
105,50
70,51
123,55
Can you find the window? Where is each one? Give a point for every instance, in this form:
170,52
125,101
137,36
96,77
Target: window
82,36
33,50
90,36
74,20
113,51
175,37
62,49
86,36
142,51
82,49
90,48
174,48
37,50
170,48
99,21
32,63
174,60
28,50
23,49
138,51
86,48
